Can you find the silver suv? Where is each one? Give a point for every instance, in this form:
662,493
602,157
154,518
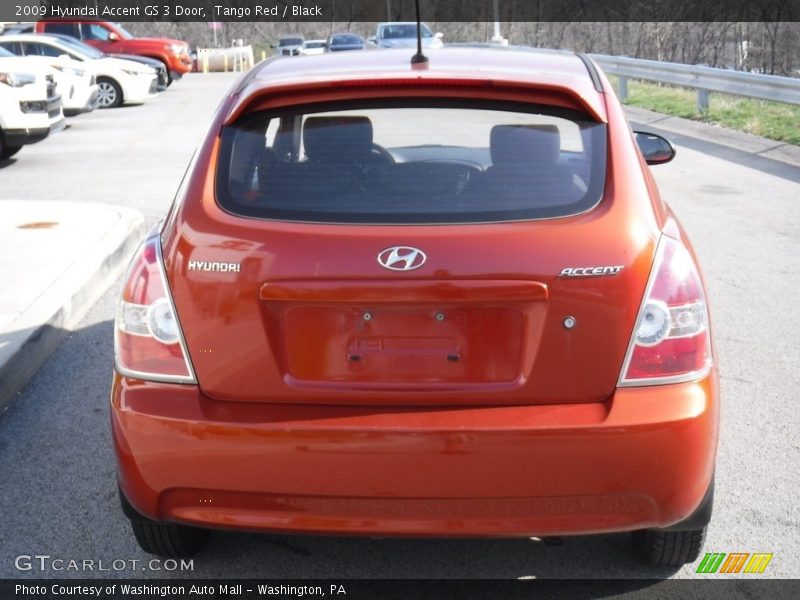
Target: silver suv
404,35
290,46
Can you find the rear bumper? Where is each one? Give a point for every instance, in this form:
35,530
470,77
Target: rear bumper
644,458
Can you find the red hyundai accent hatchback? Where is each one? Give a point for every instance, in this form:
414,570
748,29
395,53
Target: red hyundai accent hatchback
418,300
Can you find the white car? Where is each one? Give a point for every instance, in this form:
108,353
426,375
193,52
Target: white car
75,84
30,107
119,81
311,47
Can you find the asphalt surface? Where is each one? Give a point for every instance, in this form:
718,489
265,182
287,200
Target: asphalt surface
57,473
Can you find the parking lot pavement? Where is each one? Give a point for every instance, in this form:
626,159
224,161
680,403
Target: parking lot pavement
132,156
56,260
57,479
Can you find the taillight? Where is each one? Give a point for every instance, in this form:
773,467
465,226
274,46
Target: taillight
671,341
148,343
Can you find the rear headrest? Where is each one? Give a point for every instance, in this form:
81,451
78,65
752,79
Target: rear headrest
525,144
337,139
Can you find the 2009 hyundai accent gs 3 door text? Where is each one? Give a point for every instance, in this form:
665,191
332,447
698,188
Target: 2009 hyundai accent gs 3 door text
436,300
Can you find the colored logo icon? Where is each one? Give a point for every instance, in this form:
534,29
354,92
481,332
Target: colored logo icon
735,562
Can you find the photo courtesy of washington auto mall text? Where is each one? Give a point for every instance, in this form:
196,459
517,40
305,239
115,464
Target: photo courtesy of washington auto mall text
178,590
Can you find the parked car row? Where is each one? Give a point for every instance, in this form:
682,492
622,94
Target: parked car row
337,42
49,70
113,39
387,35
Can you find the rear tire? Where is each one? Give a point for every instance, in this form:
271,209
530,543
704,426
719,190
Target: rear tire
669,548
109,93
163,539
680,543
167,539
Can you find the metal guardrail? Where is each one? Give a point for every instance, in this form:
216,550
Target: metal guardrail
703,79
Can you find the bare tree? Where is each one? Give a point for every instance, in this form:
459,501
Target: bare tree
765,46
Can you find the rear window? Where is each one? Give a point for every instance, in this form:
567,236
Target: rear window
346,39
403,31
428,162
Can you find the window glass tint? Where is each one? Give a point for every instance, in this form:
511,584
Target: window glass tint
124,32
405,30
10,49
93,31
413,164
42,50
63,28
347,39
84,49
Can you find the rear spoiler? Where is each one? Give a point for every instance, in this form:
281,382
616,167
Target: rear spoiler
251,96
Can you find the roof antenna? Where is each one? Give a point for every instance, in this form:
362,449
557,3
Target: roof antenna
419,58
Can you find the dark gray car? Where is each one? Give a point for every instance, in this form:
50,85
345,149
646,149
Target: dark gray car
339,42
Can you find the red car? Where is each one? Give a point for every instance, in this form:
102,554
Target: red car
113,38
439,299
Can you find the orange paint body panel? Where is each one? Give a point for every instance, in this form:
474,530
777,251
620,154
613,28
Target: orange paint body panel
643,458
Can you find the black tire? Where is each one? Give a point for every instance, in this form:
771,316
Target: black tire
661,548
168,539
8,151
168,73
3,146
110,93
163,539
680,543
174,75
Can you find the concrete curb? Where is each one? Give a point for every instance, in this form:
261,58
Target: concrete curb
728,138
61,304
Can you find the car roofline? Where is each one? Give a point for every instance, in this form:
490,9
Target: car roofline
590,66
254,75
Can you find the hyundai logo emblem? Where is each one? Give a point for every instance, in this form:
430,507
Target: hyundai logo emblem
401,258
